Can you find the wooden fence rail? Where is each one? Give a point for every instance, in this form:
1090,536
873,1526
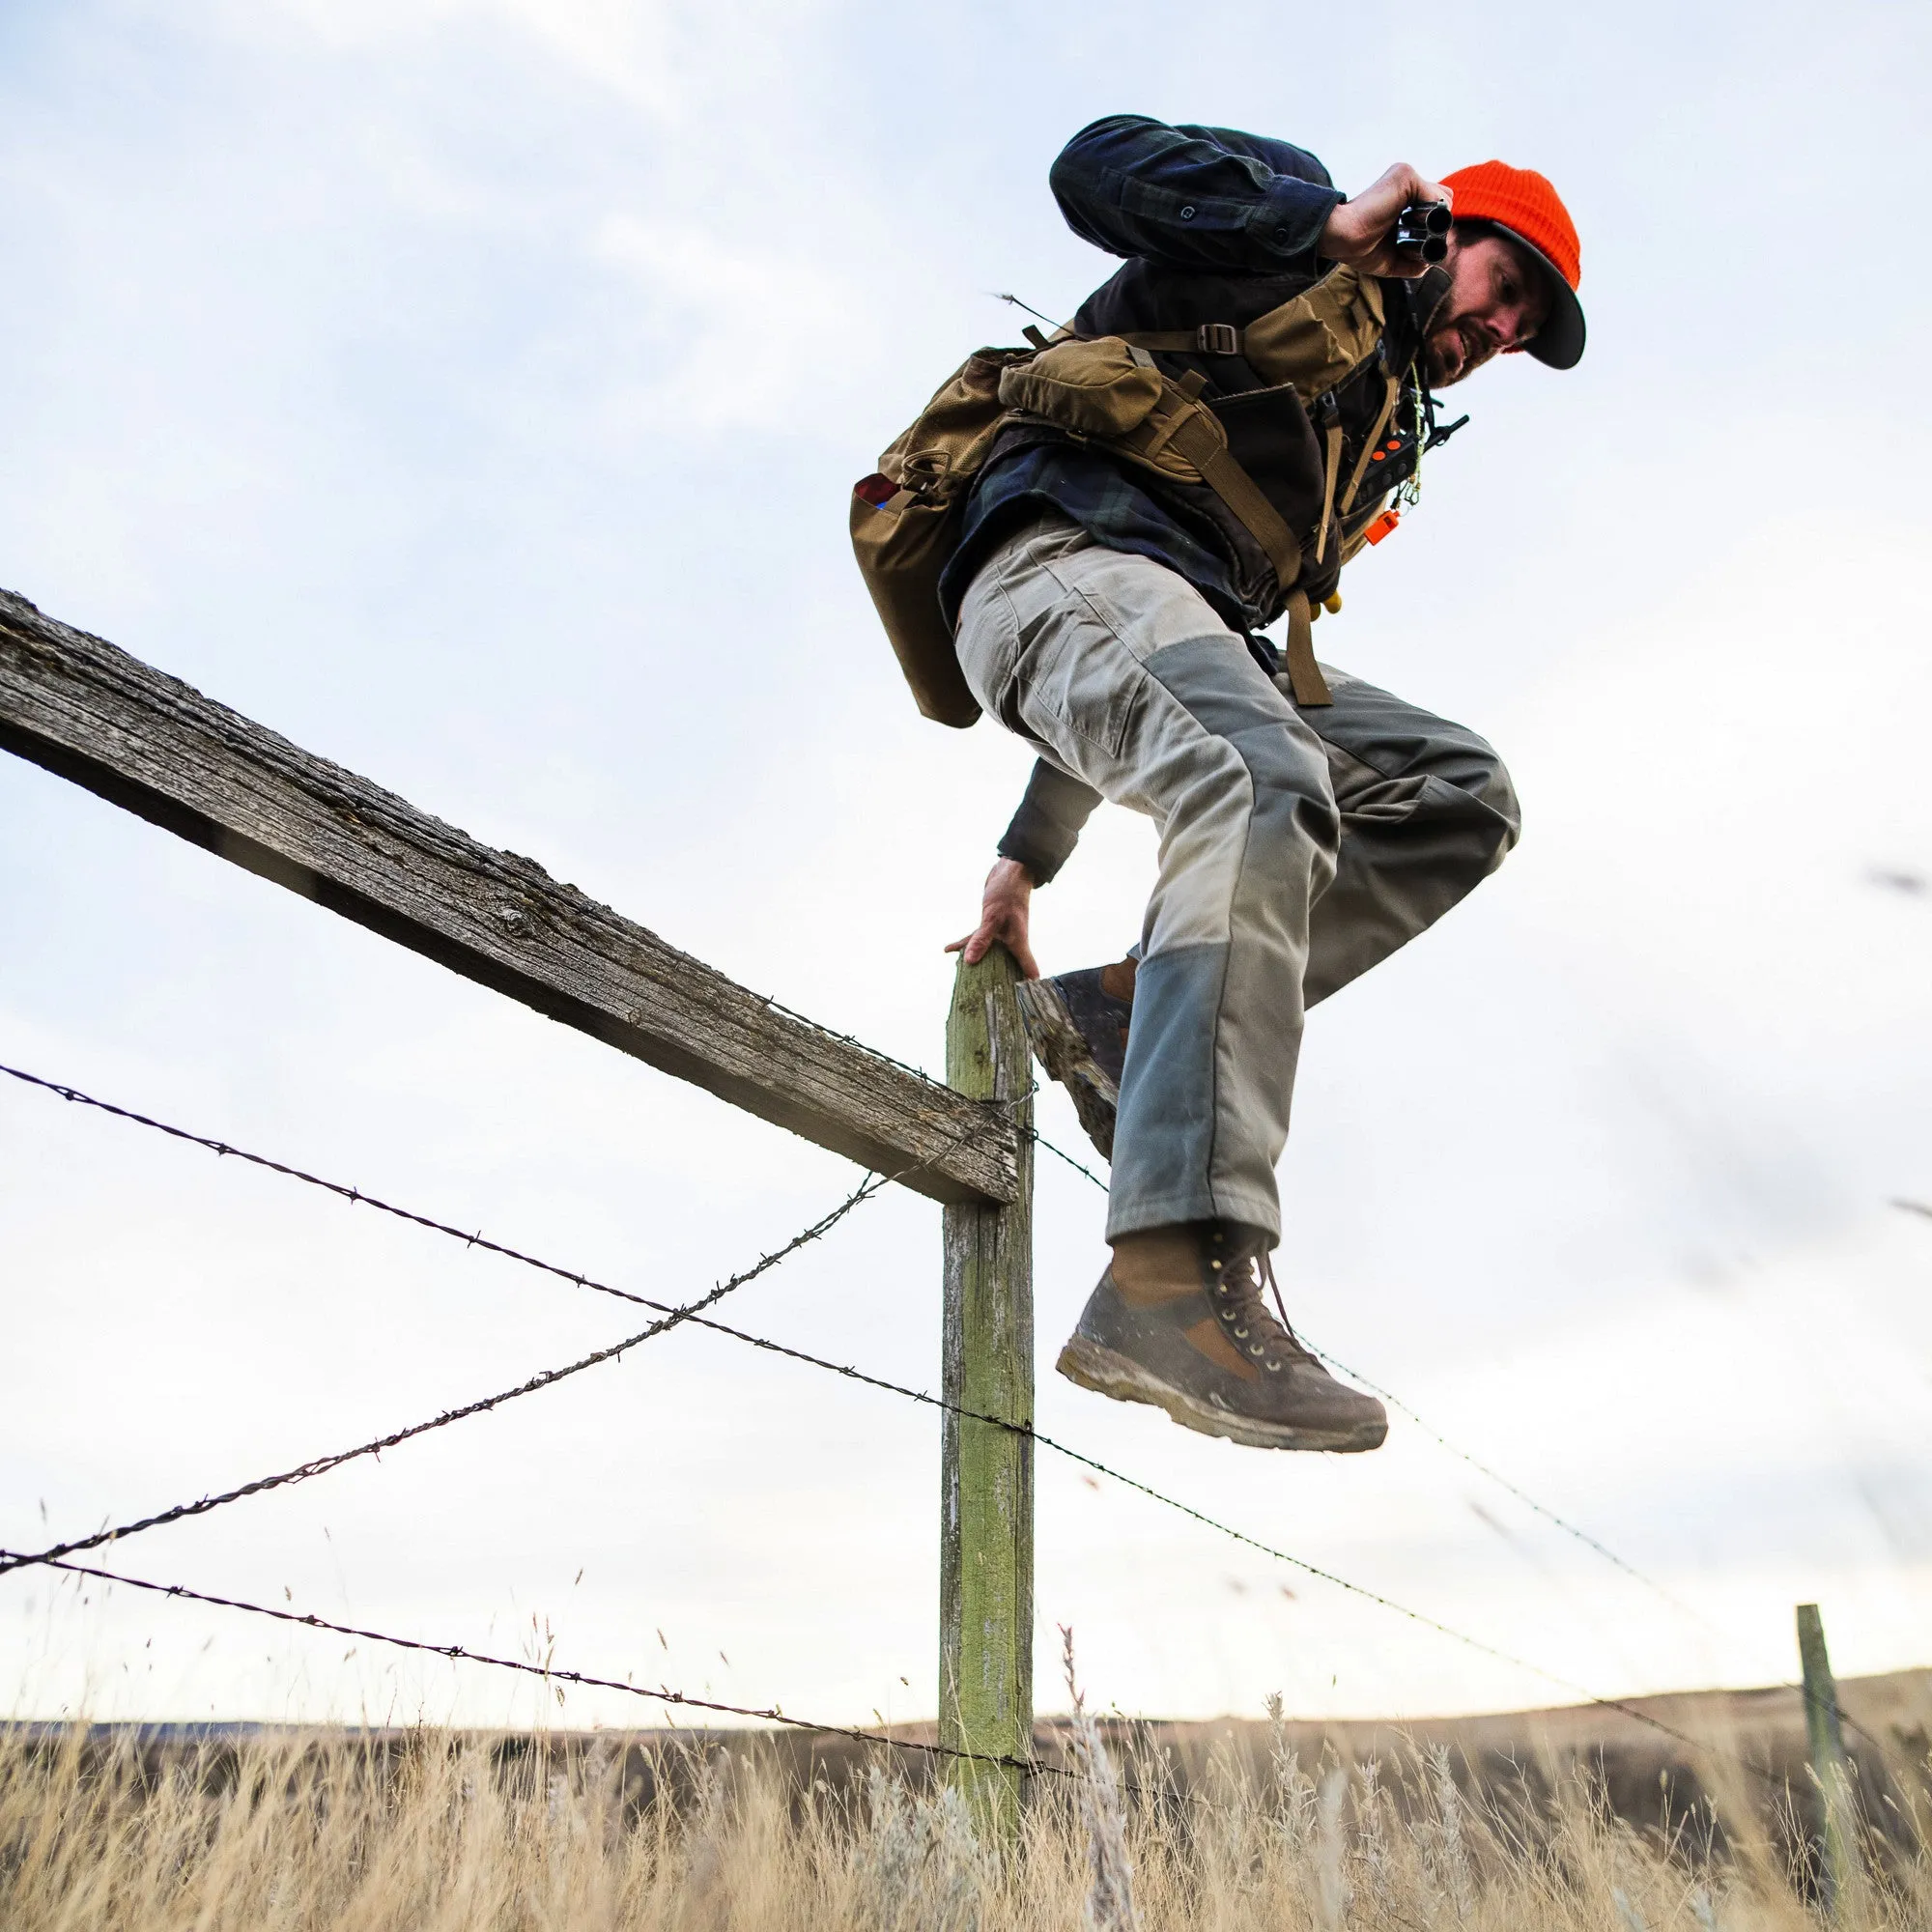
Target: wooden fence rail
88,711
144,740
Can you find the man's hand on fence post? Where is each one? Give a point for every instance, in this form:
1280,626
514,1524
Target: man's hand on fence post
1004,909
1361,232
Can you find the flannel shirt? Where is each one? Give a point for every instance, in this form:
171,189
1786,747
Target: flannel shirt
1185,197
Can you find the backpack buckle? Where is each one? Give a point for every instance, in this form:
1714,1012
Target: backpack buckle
1218,338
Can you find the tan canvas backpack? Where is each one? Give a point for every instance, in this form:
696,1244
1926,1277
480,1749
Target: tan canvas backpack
906,517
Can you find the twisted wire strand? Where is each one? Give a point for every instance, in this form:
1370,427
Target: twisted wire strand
1207,1521
457,1653
319,1466
1040,1140
355,1196
1502,1482
692,1313
673,1317
1476,1463
772,1714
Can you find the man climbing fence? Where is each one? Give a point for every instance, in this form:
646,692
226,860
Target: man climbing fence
1086,538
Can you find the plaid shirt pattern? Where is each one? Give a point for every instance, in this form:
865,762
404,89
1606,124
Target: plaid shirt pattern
1205,198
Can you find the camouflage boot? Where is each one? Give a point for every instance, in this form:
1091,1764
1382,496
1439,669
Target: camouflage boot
1177,1320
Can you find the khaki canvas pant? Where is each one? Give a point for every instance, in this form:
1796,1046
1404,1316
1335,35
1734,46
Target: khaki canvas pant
1297,847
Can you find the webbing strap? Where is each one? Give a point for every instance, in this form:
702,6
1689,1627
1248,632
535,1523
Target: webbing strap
1195,436
1372,445
1331,469
1304,674
1211,338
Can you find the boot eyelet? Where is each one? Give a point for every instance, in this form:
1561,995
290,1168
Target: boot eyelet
1255,1349
1274,1366
1242,1333
1216,1265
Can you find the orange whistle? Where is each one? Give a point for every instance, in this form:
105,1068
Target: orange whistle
1383,526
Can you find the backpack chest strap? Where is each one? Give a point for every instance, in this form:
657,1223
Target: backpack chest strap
1211,338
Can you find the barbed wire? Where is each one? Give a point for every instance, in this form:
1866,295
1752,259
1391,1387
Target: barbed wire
672,1316
1040,1140
1482,1469
1080,1457
356,1197
852,1040
772,1714
695,1315
1495,1476
1502,1482
551,1674
320,1465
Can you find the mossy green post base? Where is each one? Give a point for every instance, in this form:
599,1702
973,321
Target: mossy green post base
986,1536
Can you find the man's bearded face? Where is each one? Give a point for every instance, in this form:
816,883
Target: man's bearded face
1498,299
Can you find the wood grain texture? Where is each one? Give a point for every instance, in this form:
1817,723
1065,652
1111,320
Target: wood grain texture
987,1473
87,710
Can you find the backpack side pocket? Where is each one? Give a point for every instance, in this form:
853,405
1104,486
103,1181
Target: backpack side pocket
1100,387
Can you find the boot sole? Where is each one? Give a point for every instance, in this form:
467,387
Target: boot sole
1104,1371
1059,1048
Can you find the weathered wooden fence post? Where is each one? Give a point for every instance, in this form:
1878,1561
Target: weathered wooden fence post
986,1573
1827,1739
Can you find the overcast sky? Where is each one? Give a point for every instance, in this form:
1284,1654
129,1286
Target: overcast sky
470,390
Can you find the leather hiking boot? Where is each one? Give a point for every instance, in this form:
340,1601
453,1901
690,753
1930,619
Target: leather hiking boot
1078,1026
1177,1320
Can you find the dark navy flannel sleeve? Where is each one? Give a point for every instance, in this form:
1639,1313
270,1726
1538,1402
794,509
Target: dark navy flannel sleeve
1193,197
1047,826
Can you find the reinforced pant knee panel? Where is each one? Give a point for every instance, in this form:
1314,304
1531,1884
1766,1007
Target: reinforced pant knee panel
1248,843
1428,811
1268,768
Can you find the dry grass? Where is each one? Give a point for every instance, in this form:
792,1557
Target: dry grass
445,1833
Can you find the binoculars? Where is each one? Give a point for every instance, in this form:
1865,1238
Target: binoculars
1424,227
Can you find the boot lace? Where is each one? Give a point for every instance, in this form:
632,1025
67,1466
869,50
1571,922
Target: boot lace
1250,1324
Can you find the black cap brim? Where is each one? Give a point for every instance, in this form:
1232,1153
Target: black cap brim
1559,342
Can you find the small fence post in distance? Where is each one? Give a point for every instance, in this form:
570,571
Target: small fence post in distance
985,1529
1827,1739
